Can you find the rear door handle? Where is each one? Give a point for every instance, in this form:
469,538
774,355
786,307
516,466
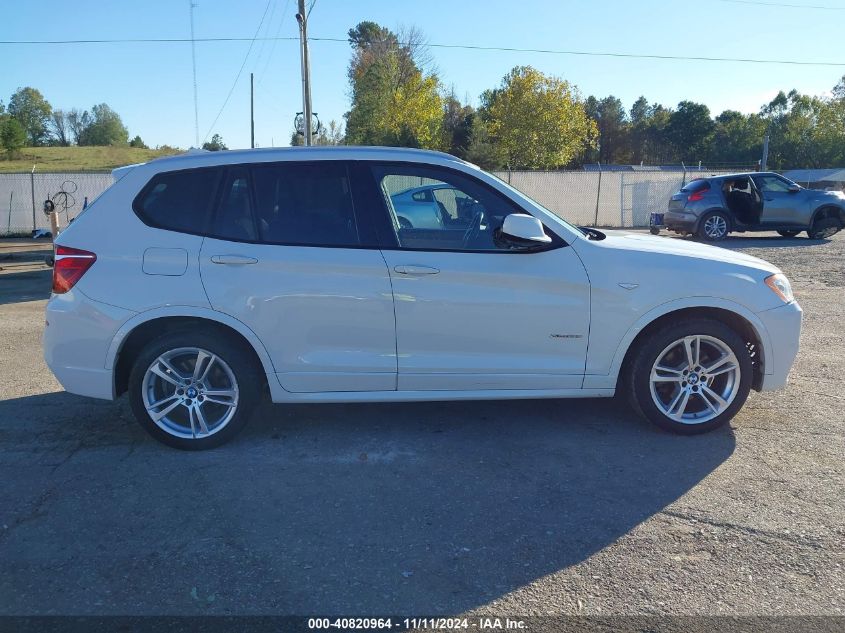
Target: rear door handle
416,270
233,259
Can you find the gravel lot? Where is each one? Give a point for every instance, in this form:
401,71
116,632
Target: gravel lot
535,507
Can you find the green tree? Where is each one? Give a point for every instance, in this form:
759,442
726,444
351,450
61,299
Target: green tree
737,138
104,128
481,149
216,144
538,122
457,125
137,142
12,136
613,129
32,111
394,101
690,131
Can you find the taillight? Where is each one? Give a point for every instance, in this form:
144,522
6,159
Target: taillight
69,266
696,196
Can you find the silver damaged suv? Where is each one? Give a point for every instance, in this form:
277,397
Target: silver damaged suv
760,201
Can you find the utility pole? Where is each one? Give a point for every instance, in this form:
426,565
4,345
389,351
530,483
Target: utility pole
302,18
251,112
763,163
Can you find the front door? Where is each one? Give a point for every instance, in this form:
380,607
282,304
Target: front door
289,261
474,311
781,207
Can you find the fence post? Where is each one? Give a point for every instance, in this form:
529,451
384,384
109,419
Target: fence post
622,199
598,197
32,189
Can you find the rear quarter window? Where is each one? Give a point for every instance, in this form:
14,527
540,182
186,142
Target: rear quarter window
178,200
695,186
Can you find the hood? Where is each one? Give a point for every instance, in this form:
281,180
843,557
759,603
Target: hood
621,240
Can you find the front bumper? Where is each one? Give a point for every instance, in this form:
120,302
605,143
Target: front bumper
783,325
77,335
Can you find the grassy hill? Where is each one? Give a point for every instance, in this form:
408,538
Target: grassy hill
48,159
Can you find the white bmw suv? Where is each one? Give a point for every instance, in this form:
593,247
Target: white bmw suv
199,283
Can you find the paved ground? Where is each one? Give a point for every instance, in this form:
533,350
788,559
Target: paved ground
573,507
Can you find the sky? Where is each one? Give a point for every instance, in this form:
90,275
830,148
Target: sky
151,84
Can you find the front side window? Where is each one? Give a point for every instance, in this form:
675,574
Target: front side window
438,209
178,200
306,204
773,184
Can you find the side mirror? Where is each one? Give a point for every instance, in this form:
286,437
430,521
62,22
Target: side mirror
525,227
794,189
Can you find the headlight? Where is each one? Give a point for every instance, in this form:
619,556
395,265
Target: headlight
780,286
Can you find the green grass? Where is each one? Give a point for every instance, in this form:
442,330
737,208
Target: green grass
47,159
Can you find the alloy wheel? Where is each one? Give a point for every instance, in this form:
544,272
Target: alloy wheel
715,227
695,379
190,392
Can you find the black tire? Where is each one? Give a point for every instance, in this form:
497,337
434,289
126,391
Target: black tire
789,233
703,226
654,230
250,379
635,382
823,228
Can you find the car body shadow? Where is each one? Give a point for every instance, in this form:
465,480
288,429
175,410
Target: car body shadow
25,285
417,508
758,241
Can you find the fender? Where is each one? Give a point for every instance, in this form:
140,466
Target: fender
200,313
827,204
598,381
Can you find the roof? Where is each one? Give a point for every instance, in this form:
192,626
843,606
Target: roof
816,175
200,158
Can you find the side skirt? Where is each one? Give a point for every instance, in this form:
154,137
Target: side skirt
420,396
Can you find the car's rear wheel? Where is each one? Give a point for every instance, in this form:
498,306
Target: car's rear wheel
714,226
193,391
690,377
788,233
823,228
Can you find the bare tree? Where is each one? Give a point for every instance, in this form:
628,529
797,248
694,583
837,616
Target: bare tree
59,127
77,121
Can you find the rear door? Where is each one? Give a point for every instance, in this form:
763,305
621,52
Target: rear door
288,257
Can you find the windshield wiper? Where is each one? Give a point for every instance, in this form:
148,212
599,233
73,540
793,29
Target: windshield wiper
591,233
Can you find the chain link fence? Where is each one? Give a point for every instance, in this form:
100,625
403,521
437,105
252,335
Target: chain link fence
22,197
617,199
614,199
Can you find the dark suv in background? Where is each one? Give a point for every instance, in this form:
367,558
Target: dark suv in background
760,201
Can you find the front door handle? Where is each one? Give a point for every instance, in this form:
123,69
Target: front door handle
233,259
416,270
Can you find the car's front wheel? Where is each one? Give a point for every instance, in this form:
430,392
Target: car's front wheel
714,226
823,228
690,377
193,390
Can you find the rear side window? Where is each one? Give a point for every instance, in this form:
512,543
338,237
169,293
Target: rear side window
694,186
178,200
305,204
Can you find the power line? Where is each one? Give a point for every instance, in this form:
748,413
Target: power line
546,51
273,47
238,76
783,4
